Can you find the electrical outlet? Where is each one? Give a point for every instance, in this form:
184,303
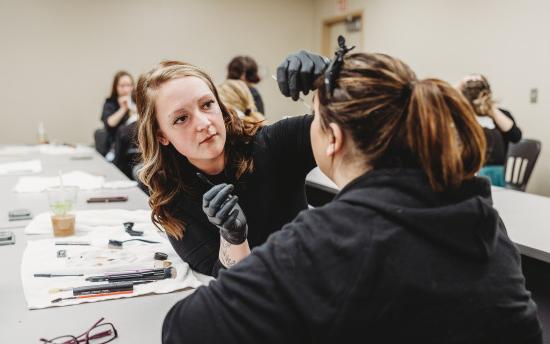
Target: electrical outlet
534,95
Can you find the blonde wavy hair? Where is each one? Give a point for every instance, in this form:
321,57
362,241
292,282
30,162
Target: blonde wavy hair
162,170
236,94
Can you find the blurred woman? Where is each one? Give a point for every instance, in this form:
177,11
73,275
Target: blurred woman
116,110
245,68
235,93
498,125
410,250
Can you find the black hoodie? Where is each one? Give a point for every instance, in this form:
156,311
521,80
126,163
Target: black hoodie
388,261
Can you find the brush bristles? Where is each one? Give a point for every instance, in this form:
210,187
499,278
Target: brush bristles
170,272
114,244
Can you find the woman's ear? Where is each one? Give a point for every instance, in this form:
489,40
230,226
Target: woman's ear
162,140
336,139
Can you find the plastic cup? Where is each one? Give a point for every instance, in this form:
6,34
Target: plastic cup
62,201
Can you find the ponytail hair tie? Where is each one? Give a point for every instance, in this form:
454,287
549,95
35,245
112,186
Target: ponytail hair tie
407,90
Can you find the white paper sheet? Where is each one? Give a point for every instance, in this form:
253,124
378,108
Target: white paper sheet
21,167
83,180
40,256
53,149
120,184
15,150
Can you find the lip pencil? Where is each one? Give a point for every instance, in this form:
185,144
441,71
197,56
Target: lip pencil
92,295
204,179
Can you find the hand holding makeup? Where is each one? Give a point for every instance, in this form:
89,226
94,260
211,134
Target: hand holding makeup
222,209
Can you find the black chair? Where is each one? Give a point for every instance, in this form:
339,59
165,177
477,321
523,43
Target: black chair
100,140
520,161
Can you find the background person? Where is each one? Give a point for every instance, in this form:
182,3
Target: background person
245,68
498,125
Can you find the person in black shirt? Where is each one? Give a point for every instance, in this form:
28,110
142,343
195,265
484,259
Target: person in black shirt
183,128
245,68
116,109
410,250
498,125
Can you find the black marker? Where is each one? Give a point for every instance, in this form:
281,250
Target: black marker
204,179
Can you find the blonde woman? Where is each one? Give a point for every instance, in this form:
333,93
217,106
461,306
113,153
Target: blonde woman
235,93
258,172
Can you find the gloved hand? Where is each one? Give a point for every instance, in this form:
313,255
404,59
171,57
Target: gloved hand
222,209
298,72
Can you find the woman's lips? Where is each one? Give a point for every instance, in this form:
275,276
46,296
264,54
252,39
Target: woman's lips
208,139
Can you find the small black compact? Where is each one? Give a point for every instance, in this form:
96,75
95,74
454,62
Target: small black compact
19,214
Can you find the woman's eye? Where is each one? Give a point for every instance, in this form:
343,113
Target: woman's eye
208,104
180,119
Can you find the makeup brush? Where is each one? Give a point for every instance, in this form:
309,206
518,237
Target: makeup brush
117,244
204,179
137,275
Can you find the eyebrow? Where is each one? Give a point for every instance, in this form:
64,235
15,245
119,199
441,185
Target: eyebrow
180,110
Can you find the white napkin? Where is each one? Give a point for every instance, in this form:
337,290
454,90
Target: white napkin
53,149
88,220
21,167
83,180
120,184
17,150
40,256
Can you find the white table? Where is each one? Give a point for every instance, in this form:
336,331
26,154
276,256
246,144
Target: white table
526,216
137,319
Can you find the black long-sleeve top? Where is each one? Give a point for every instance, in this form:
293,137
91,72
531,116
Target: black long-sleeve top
271,196
388,261
498,141
257,99
110,107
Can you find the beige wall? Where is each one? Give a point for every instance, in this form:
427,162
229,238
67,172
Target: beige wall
57,58
507,40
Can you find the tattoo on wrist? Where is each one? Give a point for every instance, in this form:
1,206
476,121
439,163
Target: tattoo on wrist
226,260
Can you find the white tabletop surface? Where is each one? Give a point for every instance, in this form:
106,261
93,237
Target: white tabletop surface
137,319
526,216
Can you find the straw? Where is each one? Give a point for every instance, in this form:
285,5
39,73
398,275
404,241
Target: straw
60,179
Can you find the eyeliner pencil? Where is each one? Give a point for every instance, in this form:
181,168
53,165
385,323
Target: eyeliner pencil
204,179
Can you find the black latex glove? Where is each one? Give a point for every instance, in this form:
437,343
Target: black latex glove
222,209
298,72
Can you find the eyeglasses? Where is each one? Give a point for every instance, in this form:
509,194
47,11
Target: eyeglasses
98,334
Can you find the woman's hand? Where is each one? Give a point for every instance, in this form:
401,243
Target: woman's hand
222,209
484,105
123,102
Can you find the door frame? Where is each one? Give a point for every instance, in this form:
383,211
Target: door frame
329,22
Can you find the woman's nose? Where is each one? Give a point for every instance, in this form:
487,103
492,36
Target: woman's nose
202,122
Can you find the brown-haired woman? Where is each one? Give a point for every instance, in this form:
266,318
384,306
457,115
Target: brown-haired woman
116,109
235,93
410,250
245,68
498,125
185,129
